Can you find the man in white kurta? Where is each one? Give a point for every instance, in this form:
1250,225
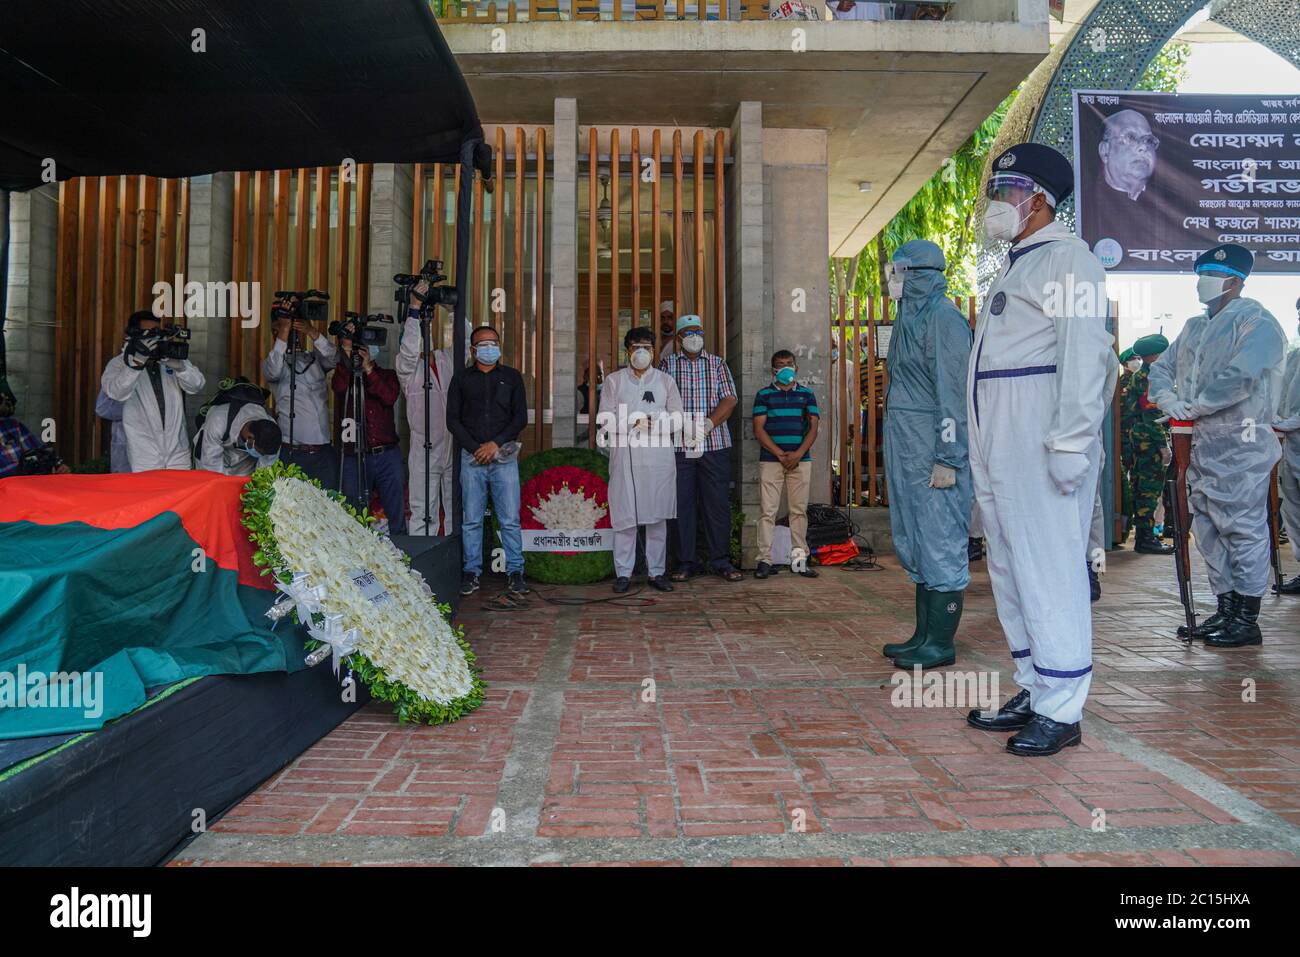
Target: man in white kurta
152,393
639,407
411,373
1035,393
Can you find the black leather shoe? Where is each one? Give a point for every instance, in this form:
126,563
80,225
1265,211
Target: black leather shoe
1043,736
809,573
1094,584
1212,623
1289,588
621,585
1241,629
661,583
763,570
1011,716
974,550
1146,543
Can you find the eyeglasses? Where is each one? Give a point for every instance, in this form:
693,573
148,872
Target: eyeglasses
1130,140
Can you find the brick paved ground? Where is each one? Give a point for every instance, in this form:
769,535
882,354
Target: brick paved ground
752,724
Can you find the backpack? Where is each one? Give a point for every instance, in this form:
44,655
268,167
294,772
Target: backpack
234,393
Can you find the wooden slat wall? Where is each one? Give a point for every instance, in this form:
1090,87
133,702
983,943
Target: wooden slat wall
117,236
331,256
508,244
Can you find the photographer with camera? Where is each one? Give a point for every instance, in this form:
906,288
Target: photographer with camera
295,367
151,378
360,383
416,383
19,447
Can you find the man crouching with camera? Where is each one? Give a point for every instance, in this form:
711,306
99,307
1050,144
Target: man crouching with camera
151,378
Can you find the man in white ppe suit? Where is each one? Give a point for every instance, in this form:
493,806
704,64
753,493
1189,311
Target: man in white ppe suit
236,439
639,407
1036,399
411,374
152,391
1288,473
1224,374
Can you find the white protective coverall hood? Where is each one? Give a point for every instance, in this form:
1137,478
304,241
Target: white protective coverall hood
1036,392
407,366
151,443
1229,368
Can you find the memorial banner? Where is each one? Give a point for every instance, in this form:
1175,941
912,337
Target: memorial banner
1161,177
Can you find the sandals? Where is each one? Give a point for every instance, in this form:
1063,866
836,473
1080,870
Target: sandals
679,575
731,575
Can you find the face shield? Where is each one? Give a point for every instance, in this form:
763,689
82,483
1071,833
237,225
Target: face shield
897,271
1008,196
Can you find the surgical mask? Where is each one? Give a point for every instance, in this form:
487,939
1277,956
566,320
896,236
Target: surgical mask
641,358
1210,288
895,289
1002,220
1133,365
488,353
693,343
266,461
374,352
785,376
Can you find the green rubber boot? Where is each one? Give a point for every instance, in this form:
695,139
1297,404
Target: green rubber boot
942,615
918,635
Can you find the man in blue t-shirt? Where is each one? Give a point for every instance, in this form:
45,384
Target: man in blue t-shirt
785,424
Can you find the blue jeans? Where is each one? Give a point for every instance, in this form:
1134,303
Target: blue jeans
476,481
386,473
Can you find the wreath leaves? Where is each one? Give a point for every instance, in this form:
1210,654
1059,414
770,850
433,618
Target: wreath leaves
256,501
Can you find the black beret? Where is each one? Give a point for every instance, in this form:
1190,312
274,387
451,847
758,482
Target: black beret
1229,257
1044,165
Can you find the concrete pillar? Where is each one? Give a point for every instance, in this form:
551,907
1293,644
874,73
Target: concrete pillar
748,306
212,210
797,224
33,219
564,276
392,199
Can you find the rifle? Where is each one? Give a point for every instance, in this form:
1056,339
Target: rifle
1274,550
1179,515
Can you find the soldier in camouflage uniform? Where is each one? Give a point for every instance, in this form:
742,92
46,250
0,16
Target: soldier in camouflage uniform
1145,444
1128,364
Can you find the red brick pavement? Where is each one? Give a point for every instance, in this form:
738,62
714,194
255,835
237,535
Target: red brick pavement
761,712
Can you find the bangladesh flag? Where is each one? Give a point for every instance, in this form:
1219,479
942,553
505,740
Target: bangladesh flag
114,584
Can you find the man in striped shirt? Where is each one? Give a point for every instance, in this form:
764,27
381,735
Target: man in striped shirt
703,451
785,424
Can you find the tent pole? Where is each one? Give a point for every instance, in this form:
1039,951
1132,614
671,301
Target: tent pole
464,212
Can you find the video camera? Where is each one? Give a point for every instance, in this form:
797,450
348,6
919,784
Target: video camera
160,342
310,305
425,288
356,327
42,461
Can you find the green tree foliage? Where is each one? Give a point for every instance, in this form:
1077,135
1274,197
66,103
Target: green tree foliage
943,210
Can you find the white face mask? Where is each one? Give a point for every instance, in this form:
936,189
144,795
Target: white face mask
693,343
1003,221
1133,365
640,358
1210,288
895,289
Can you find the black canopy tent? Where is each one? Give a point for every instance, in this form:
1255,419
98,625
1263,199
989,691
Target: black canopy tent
187,87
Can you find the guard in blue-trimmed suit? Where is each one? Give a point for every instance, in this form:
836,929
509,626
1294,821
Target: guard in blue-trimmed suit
1036,399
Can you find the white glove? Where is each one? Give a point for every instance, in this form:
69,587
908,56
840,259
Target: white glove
1181,409
1067,470
1287,425
176,365
941,476
704,427
1166,456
